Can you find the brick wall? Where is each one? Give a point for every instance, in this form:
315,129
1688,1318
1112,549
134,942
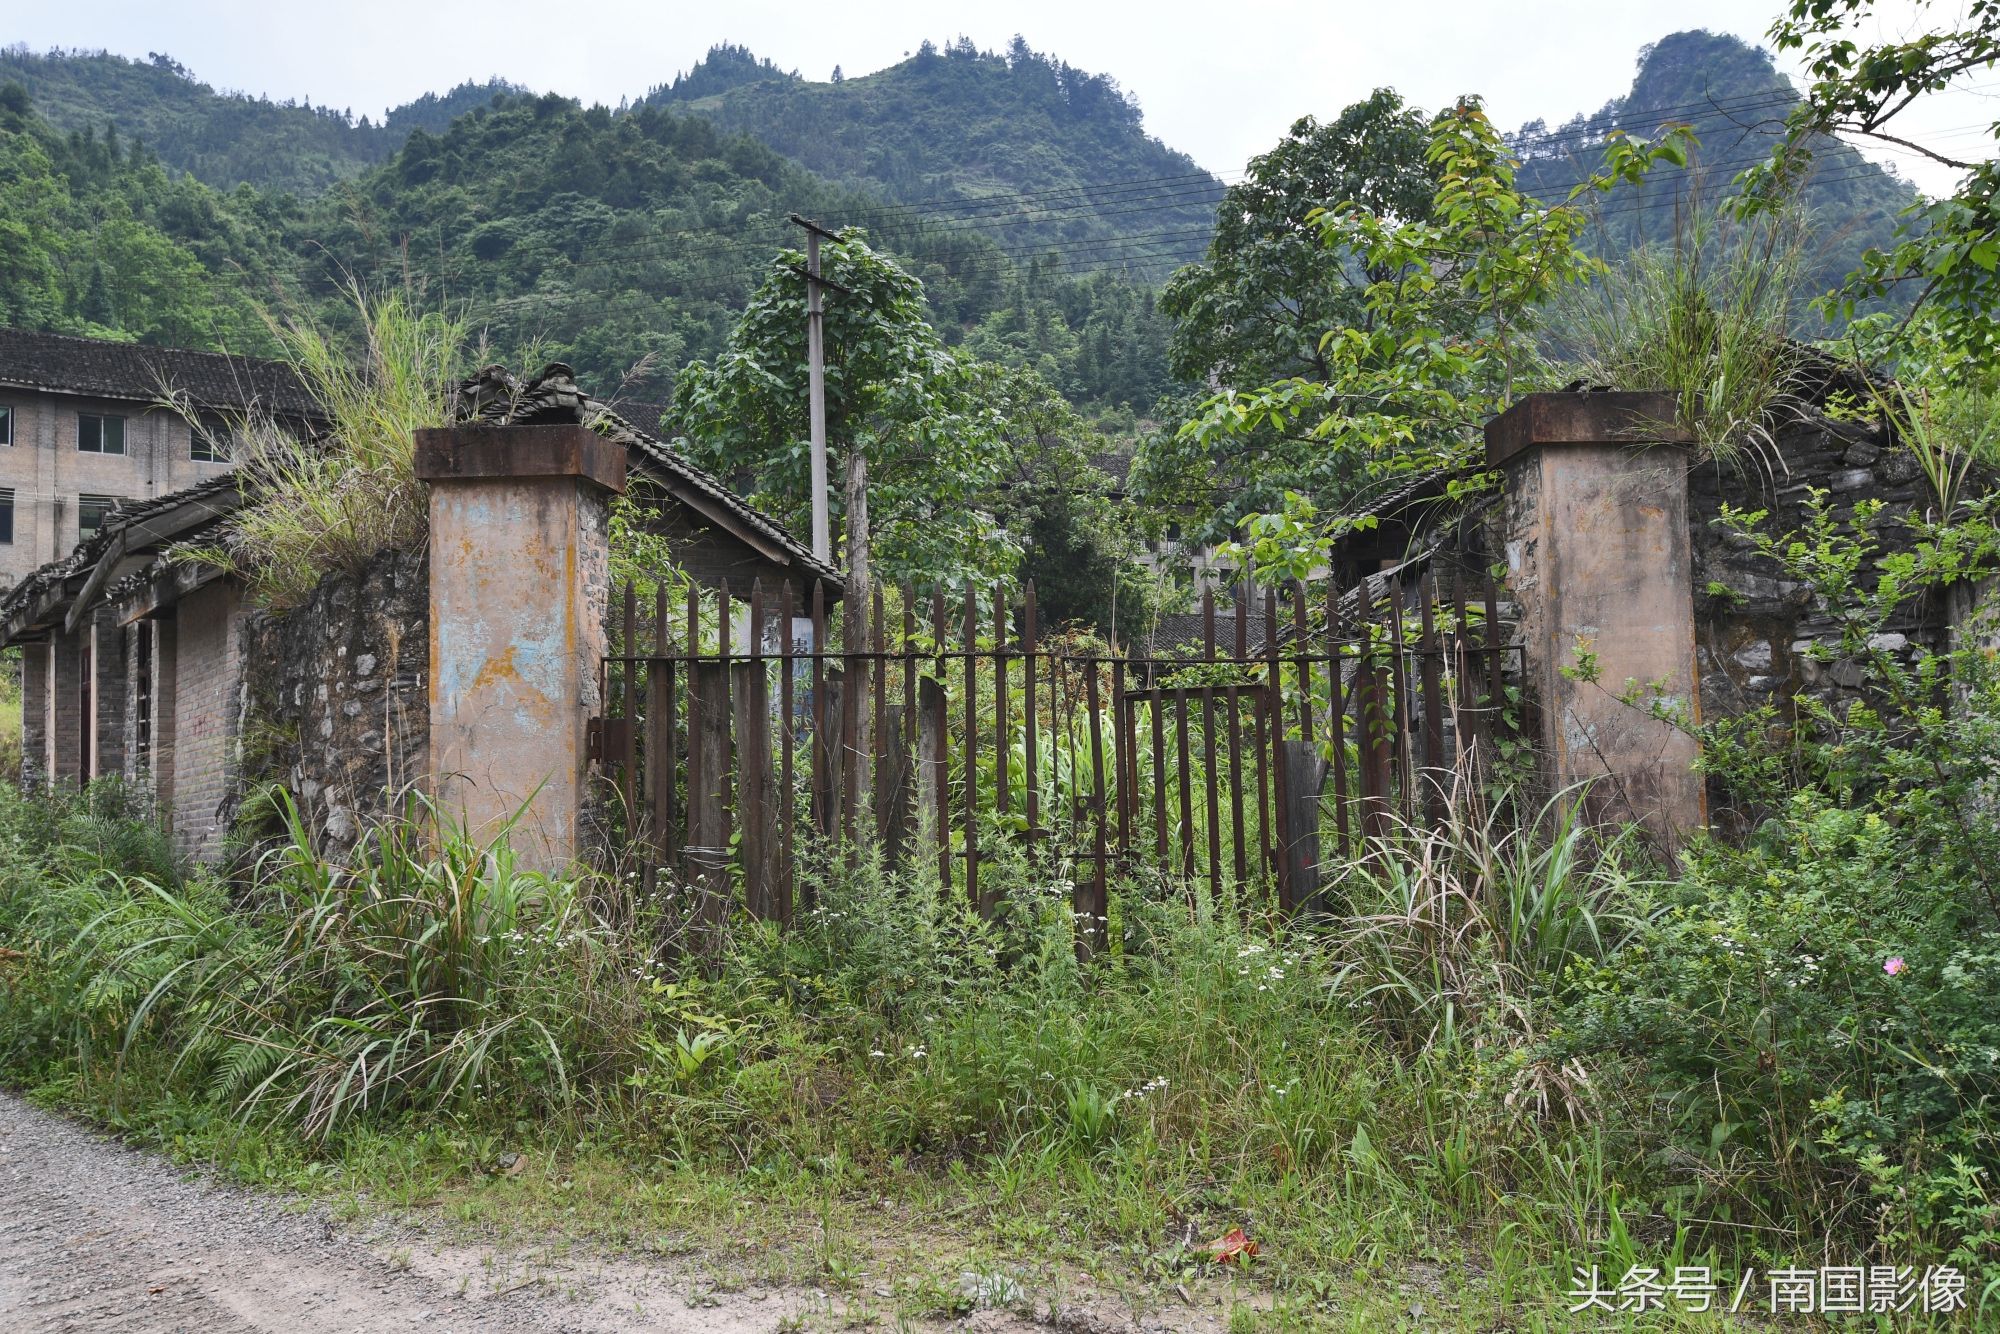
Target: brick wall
47,471
164,672
208,711
106,641
34,714
66,749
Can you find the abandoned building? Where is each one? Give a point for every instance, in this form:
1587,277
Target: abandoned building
481,665
86,425
156,669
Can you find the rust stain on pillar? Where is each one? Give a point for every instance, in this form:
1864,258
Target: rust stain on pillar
1596,536
519,573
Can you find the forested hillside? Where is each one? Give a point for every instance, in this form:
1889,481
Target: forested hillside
225,139
1024,193
1736,101
98,237
1022,143
616,241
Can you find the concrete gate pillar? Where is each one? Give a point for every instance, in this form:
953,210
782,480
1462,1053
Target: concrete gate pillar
1595,527
519,584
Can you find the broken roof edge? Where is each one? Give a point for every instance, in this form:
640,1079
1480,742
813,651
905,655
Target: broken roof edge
27,607
494,397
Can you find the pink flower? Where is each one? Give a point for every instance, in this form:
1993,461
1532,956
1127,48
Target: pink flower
1894,965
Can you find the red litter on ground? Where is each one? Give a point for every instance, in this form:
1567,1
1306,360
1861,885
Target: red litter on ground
1231,1247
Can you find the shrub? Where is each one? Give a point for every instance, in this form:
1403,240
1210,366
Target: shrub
1807,1029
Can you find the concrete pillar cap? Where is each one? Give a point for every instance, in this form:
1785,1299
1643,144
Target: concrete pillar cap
1585,418
473,452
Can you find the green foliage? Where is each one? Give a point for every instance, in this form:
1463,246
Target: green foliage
1452,310
333,502
1734,101
427,972
222,139
1704,315
1011,139
1948,248
1807,1026
894,393
1255,310
1077,543
98,238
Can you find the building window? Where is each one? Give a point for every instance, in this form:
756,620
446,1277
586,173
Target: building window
209,439
6,516
100,435
6,424
90,512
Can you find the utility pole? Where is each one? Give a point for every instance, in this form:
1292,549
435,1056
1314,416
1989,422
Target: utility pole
822,534
856,777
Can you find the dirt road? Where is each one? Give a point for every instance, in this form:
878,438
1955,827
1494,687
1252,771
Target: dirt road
98,1236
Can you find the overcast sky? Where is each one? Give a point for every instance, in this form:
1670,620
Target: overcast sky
1221,81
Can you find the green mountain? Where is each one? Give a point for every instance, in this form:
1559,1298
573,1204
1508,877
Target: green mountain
224,139
616,241
1734,98
1022,145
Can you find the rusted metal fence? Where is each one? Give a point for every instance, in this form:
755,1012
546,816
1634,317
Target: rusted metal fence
1254,760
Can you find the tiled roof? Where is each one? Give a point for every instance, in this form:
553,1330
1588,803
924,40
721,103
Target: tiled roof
494,397
221,490
63,364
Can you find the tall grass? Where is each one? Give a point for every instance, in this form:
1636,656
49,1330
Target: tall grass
331,500
1704,314
423,972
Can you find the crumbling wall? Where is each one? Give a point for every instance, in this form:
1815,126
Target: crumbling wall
340,684
1753,625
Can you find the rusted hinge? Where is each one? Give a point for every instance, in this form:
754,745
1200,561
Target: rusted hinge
606,739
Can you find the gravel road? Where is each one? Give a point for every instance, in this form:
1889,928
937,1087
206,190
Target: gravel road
95,1235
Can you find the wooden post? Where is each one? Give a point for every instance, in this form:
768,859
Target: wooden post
1436,774
822,759
972,750
708,814
1337,712
1208,748
1003,796
1098,910
1280,841
941,732
1034,795
661,762
787,803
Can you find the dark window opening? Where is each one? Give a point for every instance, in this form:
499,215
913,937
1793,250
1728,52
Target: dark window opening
6,424
209,439
6,516
99,435
90,514
143,730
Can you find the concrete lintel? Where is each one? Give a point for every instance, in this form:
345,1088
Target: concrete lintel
474,452
1646,418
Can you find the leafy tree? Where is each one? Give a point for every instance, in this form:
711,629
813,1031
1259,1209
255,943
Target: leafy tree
1257,308
898,404
1049,495
1452,309
1947,249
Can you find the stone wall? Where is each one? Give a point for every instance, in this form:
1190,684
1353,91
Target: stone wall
340,712
1753,632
